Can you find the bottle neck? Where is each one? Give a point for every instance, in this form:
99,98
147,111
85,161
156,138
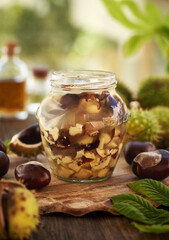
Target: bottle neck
10,57
10,51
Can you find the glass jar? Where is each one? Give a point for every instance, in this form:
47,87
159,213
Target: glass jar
13,74
83,124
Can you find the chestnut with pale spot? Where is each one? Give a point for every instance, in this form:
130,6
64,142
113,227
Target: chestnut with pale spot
4,164
133,148
153,165
33,175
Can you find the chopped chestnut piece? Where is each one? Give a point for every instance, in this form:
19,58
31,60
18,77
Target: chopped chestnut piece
93,127
153,165
63,141
69,100
103,95
33,174
4,164
133,148
90,146
84,159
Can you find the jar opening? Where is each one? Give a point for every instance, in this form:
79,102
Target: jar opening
87,80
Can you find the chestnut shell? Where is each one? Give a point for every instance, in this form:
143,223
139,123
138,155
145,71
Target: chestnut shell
157,171
27,143
133,148
4,164
32,175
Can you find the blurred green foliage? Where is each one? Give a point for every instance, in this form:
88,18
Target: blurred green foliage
48,34
153,91
147,23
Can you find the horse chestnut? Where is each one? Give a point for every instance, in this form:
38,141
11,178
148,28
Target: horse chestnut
4,164
153,165
33,174
133,148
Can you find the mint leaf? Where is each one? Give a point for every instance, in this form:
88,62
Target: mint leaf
137,208
152,189
157,228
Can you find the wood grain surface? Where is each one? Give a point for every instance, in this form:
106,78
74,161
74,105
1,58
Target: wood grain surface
78,198
98,225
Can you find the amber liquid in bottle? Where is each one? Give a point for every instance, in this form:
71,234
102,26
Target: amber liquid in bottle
12,95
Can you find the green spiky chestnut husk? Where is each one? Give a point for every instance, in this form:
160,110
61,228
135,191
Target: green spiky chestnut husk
162,115
124,92
154,91
142,126
19,215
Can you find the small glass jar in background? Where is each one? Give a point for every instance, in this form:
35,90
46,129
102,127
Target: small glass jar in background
13,75
38,87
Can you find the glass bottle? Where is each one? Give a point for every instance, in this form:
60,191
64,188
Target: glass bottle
83,124
13,74
38,87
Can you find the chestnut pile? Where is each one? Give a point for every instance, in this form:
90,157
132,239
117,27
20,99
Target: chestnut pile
146,160
32,174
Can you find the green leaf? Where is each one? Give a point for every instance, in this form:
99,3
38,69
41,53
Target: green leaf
164,45
133,43
157,228
166,19
115,9
133,7
153,189
139,209
167,68
163,31
154,16
130,211
6,143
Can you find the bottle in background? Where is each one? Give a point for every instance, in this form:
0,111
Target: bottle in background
38,87
13,74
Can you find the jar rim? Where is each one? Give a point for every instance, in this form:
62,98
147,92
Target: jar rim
87,80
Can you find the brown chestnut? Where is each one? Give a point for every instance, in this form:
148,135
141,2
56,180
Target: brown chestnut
133,148
69,100
153,165
2,147
33,175
4,164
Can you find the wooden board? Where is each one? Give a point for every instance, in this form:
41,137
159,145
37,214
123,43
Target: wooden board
79,198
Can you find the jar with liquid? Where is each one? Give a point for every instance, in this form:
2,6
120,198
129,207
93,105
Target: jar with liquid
83,124
13,74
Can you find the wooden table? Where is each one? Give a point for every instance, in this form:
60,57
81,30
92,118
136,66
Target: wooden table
93,226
